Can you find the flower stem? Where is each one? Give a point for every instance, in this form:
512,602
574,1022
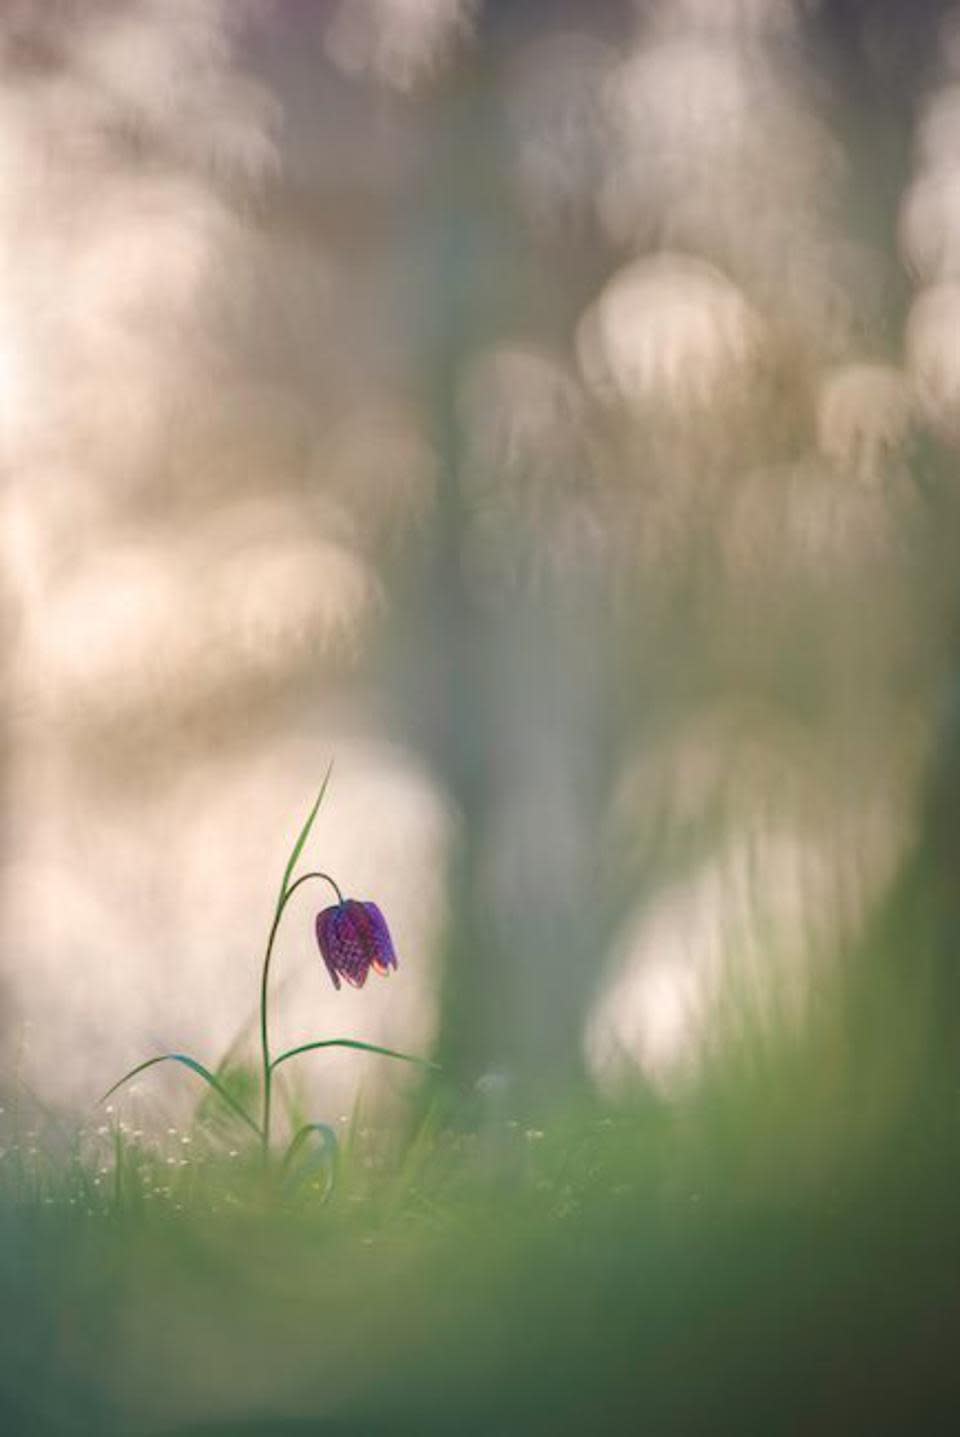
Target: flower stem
285,896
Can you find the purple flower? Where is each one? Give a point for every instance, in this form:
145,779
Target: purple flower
354,938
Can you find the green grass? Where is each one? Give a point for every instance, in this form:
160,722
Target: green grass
775,1251
778,1252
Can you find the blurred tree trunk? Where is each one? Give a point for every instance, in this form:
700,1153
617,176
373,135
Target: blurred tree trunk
505,695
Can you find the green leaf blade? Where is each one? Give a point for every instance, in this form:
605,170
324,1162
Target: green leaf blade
194,1067
304,835
326,1155
356,1044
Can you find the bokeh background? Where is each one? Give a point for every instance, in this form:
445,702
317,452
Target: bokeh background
547,411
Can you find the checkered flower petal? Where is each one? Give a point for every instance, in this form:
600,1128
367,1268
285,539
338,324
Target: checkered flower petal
353,938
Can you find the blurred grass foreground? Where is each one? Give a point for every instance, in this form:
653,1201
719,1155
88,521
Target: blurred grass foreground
777,1252
551,412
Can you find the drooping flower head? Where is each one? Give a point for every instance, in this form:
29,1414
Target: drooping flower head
353,938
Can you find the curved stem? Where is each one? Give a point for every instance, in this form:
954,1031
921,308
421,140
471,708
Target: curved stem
284,899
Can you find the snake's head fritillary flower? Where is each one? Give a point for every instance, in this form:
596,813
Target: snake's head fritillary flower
353,938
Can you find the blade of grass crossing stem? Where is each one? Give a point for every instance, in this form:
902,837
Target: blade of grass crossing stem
195,1067
304,835
352,1043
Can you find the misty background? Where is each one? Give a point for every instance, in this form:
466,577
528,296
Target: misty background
547,411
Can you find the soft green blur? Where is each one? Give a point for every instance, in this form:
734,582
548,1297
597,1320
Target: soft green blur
777,1253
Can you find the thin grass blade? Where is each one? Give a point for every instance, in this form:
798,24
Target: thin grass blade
195,1067
352,1043
329,1144
326,1155
304,835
